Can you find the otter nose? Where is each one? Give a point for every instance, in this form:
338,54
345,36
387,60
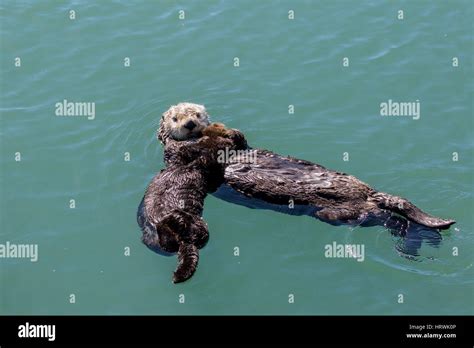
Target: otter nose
190,125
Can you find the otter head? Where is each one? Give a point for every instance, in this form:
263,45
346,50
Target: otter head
182,121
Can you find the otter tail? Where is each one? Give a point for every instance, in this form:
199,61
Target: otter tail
188,257
410,211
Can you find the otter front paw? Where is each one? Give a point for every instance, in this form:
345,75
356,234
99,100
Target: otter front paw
216,130
237,138
219,130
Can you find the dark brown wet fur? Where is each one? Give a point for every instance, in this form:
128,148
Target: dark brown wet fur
171,211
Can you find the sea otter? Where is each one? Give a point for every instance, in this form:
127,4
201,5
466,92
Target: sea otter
329,195
170,214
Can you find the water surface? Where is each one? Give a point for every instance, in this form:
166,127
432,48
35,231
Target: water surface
282,62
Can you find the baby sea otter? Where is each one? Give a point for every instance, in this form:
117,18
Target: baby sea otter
329,195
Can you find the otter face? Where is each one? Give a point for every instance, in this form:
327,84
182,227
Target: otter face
183,121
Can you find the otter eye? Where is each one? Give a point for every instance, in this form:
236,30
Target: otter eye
175,119
198,115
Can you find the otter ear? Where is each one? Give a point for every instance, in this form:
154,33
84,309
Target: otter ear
162,134
208,118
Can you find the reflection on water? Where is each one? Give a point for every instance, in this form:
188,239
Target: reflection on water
411,236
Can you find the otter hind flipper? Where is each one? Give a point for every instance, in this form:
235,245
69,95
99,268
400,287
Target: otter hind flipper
407,209
188,257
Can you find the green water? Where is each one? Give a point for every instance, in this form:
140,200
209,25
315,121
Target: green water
282,62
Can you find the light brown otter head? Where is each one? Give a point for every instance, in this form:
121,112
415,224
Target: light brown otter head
182,121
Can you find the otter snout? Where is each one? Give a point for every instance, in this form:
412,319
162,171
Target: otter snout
190,125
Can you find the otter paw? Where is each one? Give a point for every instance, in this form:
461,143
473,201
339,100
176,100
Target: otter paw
215,130
219,130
